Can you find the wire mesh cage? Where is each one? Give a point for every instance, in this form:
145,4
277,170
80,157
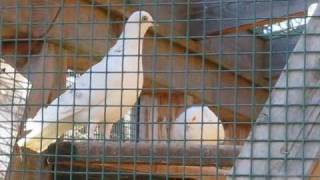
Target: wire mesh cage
161,89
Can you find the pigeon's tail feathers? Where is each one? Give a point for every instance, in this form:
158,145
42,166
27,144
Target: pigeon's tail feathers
42,135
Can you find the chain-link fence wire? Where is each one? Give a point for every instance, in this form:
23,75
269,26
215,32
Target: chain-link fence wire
208,69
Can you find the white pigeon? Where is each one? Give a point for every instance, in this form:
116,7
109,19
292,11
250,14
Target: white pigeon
197,124
103,94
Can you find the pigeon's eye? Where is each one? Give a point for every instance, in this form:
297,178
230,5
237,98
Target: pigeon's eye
144,18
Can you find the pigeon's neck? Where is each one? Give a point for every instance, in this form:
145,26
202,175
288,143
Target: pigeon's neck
131,39
130,45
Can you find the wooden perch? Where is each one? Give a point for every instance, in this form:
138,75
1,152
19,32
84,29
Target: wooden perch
285,141
193,172
141,158
158,153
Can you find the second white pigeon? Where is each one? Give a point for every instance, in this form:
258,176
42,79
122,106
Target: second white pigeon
102,94
197,124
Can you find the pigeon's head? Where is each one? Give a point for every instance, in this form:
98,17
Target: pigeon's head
139,20
141,17
198,122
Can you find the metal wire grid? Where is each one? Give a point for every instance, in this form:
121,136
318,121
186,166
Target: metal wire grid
187,72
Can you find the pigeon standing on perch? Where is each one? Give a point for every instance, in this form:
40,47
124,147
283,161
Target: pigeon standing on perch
102,94
197,124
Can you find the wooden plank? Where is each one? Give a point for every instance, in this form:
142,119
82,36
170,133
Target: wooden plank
285,140
234,16
257,23
172,171
201,79
130,152
28,165
315,172
26,18
85,30
244,52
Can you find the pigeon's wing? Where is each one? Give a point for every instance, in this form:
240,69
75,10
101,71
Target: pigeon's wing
63,107
51,122
88,91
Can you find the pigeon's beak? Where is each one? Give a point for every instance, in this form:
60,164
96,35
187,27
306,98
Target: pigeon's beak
155,26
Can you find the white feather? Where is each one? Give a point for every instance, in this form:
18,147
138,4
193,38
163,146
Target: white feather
197,124
104,93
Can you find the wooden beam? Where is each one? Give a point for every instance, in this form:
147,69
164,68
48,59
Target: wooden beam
131,152
205,82
235,16
16,53
26,18
244,52
285,140
250,26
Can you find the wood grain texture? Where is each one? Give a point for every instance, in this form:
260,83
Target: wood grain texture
285,139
